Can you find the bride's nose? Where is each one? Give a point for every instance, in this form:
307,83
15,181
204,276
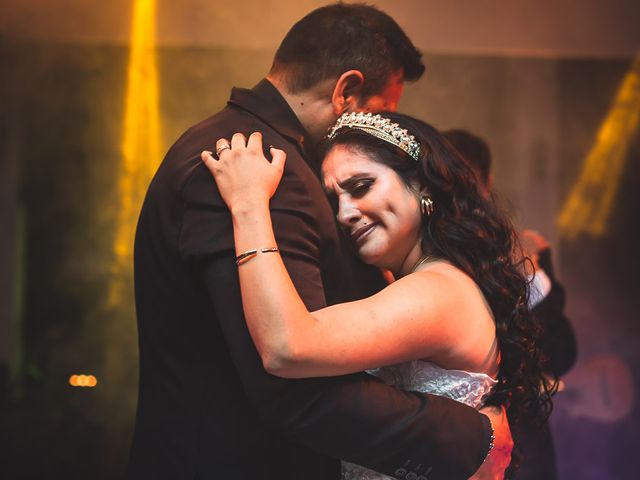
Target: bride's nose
348,213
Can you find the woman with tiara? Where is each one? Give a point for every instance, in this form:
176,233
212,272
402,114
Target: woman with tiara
451,321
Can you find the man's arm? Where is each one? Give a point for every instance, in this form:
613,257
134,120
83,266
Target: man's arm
355,417
559,340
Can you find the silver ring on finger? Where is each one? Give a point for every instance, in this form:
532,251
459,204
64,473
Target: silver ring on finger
222,149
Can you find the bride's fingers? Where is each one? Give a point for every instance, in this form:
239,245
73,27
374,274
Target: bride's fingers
238,141
209,161
278,157
255,142
222,145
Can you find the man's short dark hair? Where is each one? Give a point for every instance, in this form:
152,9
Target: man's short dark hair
340,37
474,150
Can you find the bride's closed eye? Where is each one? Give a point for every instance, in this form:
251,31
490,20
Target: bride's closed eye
356,187
361,187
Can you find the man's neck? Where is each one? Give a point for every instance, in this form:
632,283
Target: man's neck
312,107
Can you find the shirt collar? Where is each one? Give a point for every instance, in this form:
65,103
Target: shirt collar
265,102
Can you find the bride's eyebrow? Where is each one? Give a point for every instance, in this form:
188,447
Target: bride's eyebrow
348,184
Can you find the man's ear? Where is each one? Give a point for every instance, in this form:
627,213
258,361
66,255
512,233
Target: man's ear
490,182
347,92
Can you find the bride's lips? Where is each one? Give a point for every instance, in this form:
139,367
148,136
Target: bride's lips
361,233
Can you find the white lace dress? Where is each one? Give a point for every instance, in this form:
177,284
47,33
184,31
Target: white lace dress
467,387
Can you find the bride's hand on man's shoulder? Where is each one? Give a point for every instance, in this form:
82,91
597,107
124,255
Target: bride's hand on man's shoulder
245,178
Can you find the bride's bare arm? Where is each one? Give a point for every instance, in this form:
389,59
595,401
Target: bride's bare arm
412,318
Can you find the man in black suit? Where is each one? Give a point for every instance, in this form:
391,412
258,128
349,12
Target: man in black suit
206,408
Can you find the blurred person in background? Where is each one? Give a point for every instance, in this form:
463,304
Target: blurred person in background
546,302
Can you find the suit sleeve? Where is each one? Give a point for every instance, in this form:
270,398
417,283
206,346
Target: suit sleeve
558,341
356,417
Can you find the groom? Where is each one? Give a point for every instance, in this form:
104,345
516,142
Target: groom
206,408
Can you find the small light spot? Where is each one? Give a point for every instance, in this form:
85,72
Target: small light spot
83,380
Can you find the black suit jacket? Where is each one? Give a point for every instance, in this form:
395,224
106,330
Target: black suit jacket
206,408
558,340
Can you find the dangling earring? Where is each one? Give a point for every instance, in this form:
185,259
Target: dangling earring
426,205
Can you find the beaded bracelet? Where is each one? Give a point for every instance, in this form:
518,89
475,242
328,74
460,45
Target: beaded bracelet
249,254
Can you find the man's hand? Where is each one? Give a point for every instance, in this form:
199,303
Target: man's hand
532,244
500,456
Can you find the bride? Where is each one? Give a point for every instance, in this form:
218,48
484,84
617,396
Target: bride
451,323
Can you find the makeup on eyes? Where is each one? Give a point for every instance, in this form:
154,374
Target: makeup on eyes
361,187
358,184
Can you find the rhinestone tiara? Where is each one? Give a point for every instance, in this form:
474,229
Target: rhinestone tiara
379,127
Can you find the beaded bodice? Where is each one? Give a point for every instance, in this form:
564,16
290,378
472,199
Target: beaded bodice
466,387
420,376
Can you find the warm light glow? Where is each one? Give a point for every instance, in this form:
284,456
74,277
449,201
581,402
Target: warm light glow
587,208
141,142
83,381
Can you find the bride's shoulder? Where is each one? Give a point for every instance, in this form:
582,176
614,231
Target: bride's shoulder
460,310
439,274
442,285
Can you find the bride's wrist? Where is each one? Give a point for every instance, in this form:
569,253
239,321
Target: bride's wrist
249,208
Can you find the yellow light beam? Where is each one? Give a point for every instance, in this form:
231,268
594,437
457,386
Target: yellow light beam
141,141
587,208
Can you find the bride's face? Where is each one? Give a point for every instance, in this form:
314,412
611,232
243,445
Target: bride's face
380,213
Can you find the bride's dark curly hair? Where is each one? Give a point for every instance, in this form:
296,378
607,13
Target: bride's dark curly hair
474,234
